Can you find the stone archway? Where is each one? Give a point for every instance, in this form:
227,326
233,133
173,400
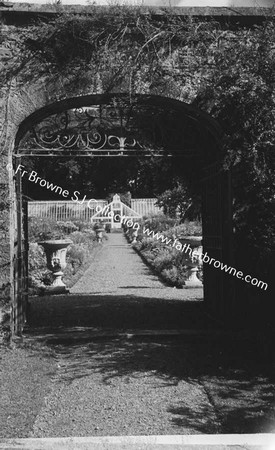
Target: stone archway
117,125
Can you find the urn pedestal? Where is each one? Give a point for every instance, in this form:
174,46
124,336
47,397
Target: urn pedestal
193,244
99,234
134,235
56,262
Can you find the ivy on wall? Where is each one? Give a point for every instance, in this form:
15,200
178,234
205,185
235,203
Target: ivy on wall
228,72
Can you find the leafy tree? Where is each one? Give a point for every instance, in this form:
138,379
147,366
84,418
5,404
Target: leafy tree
239,92
179,202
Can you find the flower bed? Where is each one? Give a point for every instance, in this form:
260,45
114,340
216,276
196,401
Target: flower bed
79,253
168,262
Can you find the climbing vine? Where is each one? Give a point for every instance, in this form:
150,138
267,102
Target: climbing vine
228,72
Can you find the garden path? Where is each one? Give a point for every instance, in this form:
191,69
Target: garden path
118,268
118,385
119,292
133,383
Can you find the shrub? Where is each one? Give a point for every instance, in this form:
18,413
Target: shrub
77,254
66,227
81,237
5,295
171,275
169,262
160,222
41,228
188,228
39,275
163,260
4,313
81,225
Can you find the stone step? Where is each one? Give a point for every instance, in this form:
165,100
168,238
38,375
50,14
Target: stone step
173,442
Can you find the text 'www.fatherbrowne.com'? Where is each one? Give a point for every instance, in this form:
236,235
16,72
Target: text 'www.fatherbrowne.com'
204,257
185,248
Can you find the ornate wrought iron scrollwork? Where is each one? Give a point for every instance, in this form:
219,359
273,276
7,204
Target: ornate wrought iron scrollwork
89,131
108,129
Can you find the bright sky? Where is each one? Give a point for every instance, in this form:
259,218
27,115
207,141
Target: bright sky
216,3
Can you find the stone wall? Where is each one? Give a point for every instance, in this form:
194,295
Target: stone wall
19,100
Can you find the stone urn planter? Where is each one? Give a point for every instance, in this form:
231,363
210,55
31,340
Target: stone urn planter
134,236
56,262
193,262
108,228
99,230
99,234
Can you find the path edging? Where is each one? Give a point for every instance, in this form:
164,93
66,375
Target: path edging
225,441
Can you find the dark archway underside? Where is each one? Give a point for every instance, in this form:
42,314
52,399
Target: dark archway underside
119,125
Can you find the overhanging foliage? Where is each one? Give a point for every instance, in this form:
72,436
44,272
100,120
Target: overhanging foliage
228,72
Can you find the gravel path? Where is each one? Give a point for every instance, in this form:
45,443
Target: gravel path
25,380
119,292
134,384
118,269
100,389
92,398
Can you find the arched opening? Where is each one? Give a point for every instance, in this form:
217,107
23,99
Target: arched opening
119,126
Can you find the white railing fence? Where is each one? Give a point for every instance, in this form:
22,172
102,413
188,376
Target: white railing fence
145,206
66,210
